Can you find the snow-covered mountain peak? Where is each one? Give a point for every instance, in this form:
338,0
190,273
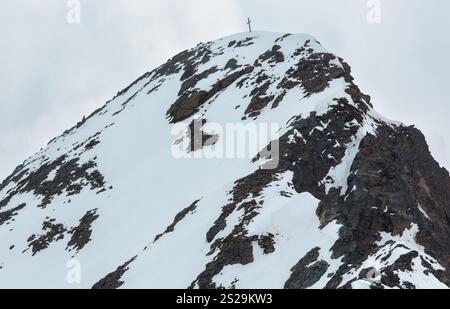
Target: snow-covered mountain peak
253,161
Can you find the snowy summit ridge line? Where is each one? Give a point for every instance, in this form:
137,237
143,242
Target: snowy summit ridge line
354,201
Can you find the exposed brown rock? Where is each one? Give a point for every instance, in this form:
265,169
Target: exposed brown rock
198,138
81,235
267,243
272,56
180,216
112,280
313,72
307,271
53,233
191,100
7,215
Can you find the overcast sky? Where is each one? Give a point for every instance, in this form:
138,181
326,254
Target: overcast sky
53,72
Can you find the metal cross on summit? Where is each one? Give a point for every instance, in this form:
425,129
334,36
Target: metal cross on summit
249,23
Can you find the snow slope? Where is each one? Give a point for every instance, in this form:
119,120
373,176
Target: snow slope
102,192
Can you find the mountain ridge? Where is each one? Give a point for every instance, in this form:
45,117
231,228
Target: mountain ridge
365,189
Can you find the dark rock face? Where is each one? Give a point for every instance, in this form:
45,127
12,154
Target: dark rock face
82,233
191,100
307,271
112,280
53,233
267,243
180,216
314,73
233,250
198,138
391,181
237,247
272,56
9,214
70,176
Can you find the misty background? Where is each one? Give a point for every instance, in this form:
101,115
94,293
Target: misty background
53,72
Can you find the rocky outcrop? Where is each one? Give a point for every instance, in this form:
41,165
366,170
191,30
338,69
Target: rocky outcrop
82,233
307,271
112,280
